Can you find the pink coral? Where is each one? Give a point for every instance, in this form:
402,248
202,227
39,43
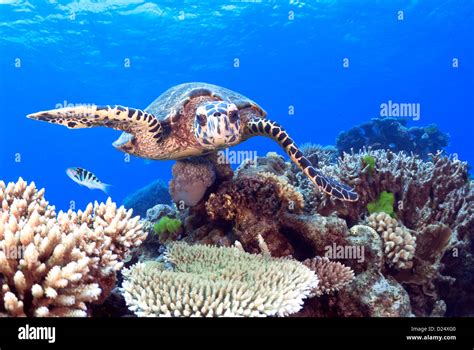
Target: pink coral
191,179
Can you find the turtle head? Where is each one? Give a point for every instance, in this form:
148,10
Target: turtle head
217,124
125,143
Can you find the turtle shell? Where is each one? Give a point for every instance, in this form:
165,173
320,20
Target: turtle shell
176,97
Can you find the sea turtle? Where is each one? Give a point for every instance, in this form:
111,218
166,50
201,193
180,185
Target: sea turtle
191,119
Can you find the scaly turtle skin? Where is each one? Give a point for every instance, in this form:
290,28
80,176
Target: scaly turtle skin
189,120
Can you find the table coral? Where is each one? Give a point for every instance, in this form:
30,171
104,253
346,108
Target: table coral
55,265
210,281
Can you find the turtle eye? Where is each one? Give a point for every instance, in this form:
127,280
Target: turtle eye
234,116
201,119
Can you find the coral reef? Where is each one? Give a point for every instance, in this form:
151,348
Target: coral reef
317,153
393,134
147,197
431,201
209,281
371,293
398,242
158,211
167,229
425,192
57,265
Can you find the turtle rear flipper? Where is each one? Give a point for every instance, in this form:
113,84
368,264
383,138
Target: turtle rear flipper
265,127
132,121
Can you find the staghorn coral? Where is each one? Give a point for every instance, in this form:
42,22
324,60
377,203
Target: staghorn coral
191,179
332,275
56,265
209,281
398,243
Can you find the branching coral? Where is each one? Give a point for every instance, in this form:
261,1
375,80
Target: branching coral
399,243
332,275
211,281
55,265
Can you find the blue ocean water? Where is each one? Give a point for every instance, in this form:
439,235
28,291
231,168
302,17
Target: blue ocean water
331,62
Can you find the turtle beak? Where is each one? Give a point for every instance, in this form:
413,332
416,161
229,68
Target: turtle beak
124,142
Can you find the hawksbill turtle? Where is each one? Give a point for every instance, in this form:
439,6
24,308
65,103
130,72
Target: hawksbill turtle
191,119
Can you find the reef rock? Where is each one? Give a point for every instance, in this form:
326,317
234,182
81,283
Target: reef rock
147,197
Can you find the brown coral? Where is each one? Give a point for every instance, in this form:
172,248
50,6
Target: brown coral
253,204
332,275
56,265
191,179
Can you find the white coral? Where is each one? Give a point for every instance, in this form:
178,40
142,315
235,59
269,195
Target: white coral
216,281
399,243
58,263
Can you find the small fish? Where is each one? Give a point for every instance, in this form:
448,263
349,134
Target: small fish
392,145
85,178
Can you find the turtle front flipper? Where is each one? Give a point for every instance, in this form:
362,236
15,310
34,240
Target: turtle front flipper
132,121
265,127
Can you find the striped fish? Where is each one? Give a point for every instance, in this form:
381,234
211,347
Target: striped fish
85,178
